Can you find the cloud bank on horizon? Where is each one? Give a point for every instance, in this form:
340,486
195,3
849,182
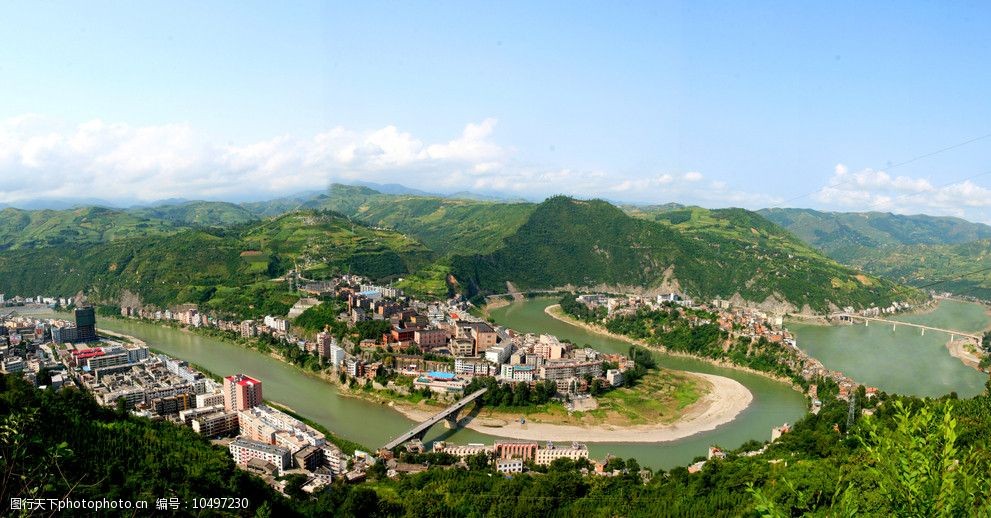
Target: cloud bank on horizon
46,157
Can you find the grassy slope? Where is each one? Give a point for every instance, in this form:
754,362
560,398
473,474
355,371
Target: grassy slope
323,243
217,268
40,228
199,213
448,226
714,253
910,249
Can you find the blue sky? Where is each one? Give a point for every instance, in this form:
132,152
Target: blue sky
712,103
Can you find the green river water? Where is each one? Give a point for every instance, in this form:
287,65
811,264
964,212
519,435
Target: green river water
774,403
901,360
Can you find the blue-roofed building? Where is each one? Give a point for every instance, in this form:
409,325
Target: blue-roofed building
371,294
441,383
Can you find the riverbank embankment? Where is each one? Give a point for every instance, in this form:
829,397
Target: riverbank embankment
726,399
554,311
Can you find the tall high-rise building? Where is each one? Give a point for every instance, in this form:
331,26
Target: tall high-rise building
85,324
324,342
241,392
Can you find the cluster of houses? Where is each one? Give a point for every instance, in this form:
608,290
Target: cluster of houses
18,300
749,323
25,350
475,347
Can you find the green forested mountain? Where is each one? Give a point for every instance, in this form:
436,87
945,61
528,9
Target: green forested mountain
962,269
212,247
40,228
86,225
850,236
714,253
916,250
227,269
447,225
198,213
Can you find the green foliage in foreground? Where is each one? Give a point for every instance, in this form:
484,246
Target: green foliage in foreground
913,465
63,445
912,458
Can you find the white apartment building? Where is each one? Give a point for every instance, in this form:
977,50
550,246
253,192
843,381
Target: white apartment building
545,456
509,465
243,450
499,354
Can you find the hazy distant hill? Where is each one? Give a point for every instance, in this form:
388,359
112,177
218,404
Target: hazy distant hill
851,236
715,253
198,213
39,228
86,225
917,250
207,266
447,225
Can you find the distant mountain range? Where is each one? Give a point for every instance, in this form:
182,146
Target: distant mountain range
917,249
769,255
723,253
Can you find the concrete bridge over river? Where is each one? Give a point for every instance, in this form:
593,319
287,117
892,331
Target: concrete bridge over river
449,414
852,318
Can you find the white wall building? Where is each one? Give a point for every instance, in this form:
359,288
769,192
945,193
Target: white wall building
244,450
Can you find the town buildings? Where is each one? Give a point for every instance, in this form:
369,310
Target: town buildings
85,324
244,450
241,392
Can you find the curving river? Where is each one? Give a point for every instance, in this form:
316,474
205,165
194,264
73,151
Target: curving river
374,424
901,360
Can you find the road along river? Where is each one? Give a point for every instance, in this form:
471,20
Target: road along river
373,424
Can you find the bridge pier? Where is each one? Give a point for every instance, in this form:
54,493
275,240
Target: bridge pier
449,416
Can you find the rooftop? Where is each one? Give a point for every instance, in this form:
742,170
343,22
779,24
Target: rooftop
242,379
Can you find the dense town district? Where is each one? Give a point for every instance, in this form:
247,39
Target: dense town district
376,342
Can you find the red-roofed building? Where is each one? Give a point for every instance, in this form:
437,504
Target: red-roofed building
241,392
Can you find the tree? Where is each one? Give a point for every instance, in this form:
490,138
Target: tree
479,462
361,501
920,470
914,468
294,486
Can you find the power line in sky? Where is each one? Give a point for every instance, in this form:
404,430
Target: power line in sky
896,165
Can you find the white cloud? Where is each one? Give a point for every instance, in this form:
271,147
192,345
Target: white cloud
43,157
873,190
39,156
